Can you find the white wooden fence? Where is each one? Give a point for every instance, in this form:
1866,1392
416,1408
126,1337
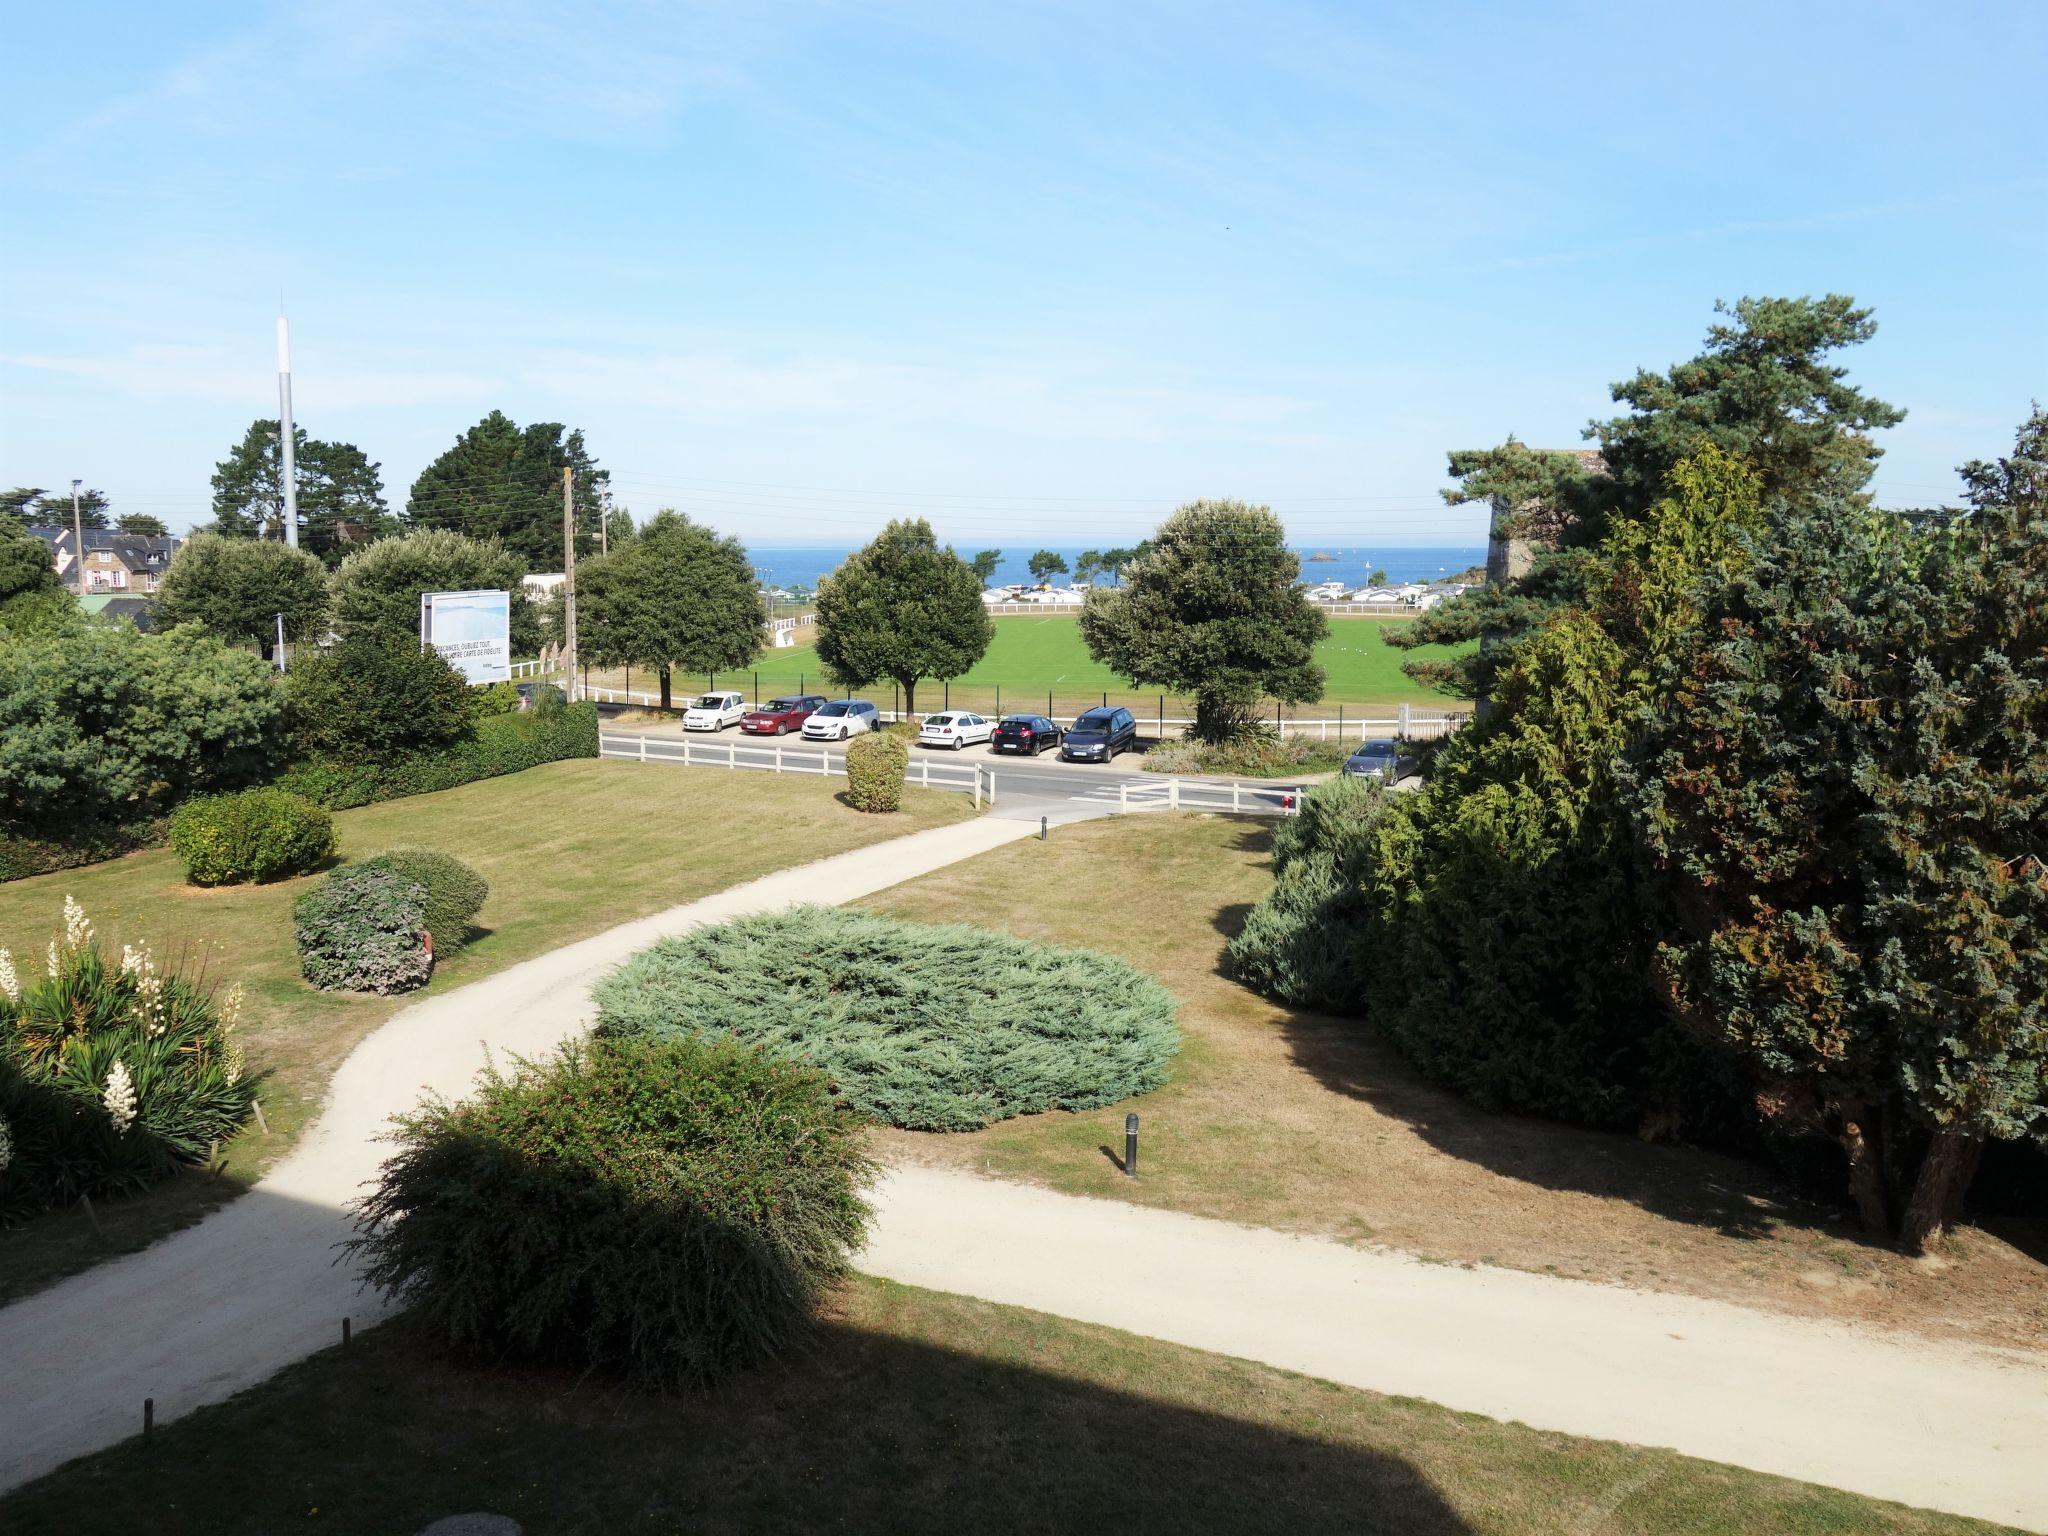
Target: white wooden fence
968,778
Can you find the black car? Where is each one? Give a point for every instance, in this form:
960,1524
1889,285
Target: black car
1025,734
1099,735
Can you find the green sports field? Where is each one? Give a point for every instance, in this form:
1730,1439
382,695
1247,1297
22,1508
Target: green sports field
1033,657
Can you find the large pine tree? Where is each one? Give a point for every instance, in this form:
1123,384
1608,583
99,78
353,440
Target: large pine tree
503,481
340,492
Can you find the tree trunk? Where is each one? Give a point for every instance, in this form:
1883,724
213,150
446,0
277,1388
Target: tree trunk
909,697
1866,1169
1937,1198
664,685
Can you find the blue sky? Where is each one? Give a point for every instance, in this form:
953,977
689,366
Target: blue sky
1038,272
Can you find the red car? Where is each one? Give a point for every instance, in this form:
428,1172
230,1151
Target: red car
778,717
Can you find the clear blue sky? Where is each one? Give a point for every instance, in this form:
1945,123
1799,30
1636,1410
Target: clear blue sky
1037,271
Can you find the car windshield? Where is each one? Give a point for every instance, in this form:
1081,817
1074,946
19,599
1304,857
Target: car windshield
1376,749
833,709
1092,723
781,704
711,701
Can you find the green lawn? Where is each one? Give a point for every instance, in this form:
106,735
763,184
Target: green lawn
570,849
1030,656
915,1411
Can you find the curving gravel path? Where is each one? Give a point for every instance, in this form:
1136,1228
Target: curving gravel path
253,1287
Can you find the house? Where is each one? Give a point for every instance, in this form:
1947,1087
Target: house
114,562
135,610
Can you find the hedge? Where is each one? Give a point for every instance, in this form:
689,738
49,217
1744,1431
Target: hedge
253,834
944,1027
875,767
666,1210
502,744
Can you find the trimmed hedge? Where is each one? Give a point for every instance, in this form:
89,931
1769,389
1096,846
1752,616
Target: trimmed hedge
254,834
363,930
875,767
502,744
21,857
670,1210
454,893
943,1028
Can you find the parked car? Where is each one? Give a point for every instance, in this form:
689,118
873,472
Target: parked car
1025,734
778,717
1383,760
715,711
954,728
837,719
1098,735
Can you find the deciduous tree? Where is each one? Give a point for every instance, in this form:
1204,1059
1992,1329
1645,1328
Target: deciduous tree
902,609
678,595
236,588
377,589
1212,610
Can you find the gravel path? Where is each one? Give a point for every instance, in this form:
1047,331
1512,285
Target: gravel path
1943,1426
253,1287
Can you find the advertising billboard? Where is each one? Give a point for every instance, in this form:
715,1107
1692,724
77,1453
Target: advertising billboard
473,630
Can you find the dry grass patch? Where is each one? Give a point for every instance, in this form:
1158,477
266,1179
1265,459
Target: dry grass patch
1295,1120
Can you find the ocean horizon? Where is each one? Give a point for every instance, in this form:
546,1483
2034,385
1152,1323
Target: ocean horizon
788,565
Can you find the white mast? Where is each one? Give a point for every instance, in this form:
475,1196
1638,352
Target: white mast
287,471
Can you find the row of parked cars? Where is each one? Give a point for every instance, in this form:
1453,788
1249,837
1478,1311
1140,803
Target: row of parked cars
1096,736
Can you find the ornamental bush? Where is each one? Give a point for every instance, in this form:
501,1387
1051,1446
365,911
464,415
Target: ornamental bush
875,766
113,1073
668,1209
364,929
927,1027
370,701
453,892
255,834
502,744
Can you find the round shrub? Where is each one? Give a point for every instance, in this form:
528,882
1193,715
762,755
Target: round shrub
254,834
875,766
929,1027
670,1210
364,930
368,701
454,893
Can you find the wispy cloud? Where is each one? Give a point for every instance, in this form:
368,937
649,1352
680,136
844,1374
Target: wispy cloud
212,373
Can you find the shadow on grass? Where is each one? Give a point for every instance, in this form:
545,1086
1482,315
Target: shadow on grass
869,1431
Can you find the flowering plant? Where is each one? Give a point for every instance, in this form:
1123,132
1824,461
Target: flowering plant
112,1075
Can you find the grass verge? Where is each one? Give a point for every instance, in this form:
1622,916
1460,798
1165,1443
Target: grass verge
569,848
915,1411
1289,1119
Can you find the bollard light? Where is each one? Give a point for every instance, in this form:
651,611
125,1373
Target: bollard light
1041,828
1130,1146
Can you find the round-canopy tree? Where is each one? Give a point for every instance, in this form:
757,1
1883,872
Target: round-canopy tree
1212,610
236,588
377,589
901,609
678,595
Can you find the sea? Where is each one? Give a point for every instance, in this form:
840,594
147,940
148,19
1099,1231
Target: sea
785,567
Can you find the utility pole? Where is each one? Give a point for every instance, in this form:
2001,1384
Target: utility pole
568,584
288,472
78,537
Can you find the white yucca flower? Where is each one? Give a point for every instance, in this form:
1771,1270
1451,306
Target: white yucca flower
50,960
9,982
231,1008
231,1063
119,1097
6,1144
77,929
132,959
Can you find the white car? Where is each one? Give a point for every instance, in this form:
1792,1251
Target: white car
715,711
841,718
954,729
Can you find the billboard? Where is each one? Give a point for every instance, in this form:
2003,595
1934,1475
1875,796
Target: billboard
473,630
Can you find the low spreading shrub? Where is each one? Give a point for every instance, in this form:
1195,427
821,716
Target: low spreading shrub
454,893
1256,757
667,1209
875,766
254,834
501,744
928,1027
112,1074
364,929
1299,944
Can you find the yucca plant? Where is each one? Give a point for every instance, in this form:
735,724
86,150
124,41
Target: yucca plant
111,1075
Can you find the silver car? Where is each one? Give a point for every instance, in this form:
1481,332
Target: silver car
1383,760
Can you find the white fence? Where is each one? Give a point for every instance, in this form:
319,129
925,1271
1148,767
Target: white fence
968,778
1245,797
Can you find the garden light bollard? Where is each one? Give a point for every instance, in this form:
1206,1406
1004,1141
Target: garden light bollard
1041,827
148,1416
1130,1146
